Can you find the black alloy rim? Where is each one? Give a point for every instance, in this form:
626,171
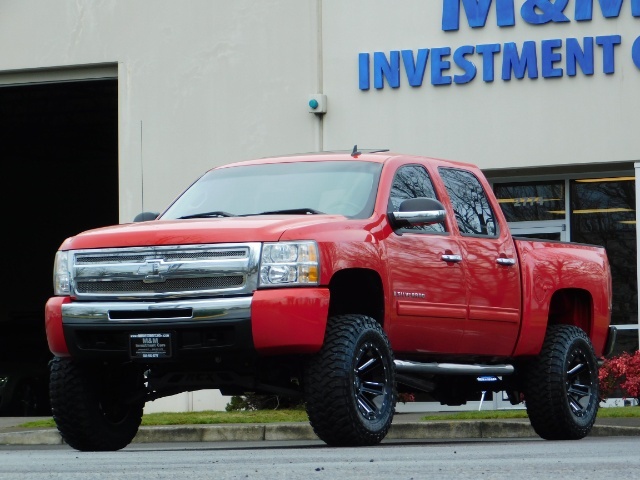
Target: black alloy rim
371,381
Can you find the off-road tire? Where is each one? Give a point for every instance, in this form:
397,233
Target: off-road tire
561,385
350,387
86,408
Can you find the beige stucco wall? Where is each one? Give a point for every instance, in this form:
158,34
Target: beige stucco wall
206,82
201,83
500,124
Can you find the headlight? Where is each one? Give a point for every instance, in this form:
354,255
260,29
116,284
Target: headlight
61,283
3,380
289,263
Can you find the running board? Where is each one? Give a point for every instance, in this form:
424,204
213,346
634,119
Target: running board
452,368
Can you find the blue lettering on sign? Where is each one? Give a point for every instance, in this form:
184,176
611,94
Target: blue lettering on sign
528,61
386,69
467,66
548,57
607,43
535,12
477,12
364,79
439,64
610,9
577,56
488,52
415,69
635,52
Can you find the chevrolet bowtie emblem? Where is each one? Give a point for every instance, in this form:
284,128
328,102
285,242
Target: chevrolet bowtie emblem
151,271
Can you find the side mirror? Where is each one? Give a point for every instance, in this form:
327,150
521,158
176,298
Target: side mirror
145,216
418,211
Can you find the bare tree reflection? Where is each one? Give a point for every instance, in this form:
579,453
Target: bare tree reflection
470,204
532,201
412,181
603,213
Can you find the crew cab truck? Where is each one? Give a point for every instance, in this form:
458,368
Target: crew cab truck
343,278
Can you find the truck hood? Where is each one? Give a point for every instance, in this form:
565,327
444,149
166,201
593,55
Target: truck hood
268,228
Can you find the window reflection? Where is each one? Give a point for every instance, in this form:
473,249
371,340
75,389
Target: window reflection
412,181
603,213
532,201
470,204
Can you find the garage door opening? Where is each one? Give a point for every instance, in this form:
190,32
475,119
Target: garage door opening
59,150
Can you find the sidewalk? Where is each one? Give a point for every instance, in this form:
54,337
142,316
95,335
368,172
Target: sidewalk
407,426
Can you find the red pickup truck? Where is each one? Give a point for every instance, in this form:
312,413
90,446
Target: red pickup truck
343,278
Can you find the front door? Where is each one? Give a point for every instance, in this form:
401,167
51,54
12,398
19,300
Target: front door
426,275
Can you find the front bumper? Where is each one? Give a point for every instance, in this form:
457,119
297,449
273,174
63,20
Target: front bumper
279,321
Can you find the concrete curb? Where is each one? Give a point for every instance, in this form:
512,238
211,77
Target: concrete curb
49,436
436,430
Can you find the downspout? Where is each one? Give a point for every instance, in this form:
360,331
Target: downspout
636,167
320,73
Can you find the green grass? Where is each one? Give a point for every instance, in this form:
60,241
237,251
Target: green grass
273,416
205,418
609,412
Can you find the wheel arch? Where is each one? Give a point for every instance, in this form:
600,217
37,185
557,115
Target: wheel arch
357,290
572,306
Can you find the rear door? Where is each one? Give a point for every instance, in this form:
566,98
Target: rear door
491,266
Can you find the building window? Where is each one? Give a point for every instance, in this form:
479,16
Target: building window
603,213
531,201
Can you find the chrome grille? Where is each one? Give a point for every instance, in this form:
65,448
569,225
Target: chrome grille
172,285
175,256
165,272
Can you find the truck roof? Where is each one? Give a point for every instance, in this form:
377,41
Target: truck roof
377,156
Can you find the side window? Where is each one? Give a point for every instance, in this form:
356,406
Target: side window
470,203
412,181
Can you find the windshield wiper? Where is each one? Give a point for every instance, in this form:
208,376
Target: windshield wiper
292,211
215,213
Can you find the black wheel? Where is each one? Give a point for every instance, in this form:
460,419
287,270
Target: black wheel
561,387
350,384
88,408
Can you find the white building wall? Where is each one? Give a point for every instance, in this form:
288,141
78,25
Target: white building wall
502,124
201,83
201,400
206,82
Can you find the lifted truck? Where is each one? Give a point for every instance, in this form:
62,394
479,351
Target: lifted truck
341,278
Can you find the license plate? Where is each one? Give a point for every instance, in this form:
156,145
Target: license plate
150,345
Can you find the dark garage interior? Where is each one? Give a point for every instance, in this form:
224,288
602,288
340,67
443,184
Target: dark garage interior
59,150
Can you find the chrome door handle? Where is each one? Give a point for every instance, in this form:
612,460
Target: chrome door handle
452,258
507,262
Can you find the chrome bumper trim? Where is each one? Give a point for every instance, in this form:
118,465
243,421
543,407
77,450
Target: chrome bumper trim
156,312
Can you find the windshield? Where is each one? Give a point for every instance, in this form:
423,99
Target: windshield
333,187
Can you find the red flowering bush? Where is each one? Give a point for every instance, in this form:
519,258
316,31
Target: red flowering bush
406,397
621,372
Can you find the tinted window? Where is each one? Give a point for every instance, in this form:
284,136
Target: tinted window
470,204
412,181
603,212
531,201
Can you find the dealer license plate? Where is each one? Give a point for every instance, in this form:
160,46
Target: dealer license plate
150,345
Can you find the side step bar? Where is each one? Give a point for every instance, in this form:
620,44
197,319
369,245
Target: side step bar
404,366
